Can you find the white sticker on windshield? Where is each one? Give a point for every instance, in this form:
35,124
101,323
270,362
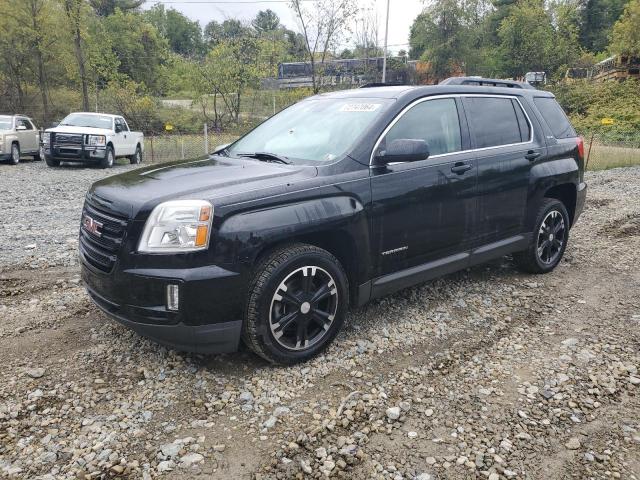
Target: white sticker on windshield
360,107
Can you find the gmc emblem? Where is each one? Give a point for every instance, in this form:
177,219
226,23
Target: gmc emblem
92,226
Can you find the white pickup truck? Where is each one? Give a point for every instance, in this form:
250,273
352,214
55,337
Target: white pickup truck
91,138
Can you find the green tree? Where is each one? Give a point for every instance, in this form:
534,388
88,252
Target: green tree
598,18
77,17
527,39
440,36
140,50
266,21
183,35
104,8
625,38
215,32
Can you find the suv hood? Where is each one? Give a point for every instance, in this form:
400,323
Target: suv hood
207,179
72,129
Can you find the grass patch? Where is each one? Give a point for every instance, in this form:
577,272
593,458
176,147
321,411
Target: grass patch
603,157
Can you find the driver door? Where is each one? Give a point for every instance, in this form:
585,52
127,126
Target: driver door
424,211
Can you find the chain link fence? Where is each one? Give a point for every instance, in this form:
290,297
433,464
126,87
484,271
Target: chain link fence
611,148
176,146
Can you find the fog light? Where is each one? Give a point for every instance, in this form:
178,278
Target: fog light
173,297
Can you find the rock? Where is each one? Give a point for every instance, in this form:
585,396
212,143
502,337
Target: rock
117,469
393,413
166,466
412,434
191,459
428,412
270,422
305,467
573,444
219,448
246,397
321,452
35,372
634,380
281,412
170,450
424,476
494,476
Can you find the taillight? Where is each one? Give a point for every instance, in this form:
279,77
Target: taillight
580,142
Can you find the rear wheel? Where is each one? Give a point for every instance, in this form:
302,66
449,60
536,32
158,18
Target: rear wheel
297,302
549,239
136,158
40,155
15,154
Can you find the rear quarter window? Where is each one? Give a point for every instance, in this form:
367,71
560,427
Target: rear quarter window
555,117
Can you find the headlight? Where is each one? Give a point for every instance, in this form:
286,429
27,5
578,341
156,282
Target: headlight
97,140
46,138
177,226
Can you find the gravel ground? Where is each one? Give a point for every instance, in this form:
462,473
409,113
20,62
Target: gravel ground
488,373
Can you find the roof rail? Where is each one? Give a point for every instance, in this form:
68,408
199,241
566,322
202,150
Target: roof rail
382,84
486,82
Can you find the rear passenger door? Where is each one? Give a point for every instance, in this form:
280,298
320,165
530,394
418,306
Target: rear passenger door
424,210
506,147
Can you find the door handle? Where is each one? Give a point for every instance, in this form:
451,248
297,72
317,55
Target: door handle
460,168
531,155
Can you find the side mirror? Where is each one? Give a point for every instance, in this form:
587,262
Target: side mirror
118,128
220,147
403,150
21,127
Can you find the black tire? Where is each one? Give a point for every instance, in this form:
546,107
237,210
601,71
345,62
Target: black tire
109,158
40,155
136,158
14,159
51,162
320,321
549,240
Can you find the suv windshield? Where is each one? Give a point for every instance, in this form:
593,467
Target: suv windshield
317,130
6,123
87,120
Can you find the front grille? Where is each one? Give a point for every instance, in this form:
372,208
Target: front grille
68,139
99,248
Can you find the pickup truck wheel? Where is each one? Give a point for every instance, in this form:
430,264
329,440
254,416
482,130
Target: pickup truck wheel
549,239
297,302
107,161
51,162
15,154
136,158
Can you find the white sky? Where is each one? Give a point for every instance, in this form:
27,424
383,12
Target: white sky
401,14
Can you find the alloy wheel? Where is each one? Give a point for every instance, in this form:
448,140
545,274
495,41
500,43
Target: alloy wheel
15,153
303,308
551,237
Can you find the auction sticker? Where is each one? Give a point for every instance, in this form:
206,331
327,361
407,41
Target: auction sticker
360,107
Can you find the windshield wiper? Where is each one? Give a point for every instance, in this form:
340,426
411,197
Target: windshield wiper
266,157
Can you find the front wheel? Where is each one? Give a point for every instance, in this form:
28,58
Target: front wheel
15,154
109,158
549,239
297,303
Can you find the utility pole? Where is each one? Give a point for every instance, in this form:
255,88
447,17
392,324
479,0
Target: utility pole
386,38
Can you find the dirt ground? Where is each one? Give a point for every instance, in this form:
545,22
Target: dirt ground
487,373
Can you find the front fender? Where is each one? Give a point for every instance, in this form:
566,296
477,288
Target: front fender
338,220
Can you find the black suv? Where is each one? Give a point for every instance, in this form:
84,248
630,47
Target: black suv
337,200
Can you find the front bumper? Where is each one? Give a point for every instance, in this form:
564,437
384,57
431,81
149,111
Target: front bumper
82,154
209,316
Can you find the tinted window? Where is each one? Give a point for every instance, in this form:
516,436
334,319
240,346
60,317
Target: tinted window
435,121
24,123
493,121
555,117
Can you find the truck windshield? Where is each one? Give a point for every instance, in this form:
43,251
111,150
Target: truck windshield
87,120
5,123
317,130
